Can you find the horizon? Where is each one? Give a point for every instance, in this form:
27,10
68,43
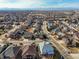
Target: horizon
40,9
38,4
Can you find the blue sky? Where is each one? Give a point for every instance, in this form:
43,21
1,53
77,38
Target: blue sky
39,4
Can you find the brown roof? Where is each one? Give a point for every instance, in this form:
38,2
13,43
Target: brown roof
29,50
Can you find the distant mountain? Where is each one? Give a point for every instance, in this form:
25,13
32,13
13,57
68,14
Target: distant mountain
5,9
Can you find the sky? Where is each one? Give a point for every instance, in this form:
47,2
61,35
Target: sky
39,4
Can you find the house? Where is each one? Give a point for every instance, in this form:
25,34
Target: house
27,35
30,52
2,47
46,50
11,52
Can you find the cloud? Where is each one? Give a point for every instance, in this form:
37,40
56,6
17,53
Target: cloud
19,3
71,5
37,4
54,0
5,1
2,1
63,5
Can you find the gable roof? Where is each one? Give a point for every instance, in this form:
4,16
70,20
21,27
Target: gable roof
46,48
29,50
11,51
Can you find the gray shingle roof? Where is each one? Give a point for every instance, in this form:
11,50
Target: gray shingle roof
11,51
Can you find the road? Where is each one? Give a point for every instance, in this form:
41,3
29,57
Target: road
24,42
65,23
3,38
64,51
